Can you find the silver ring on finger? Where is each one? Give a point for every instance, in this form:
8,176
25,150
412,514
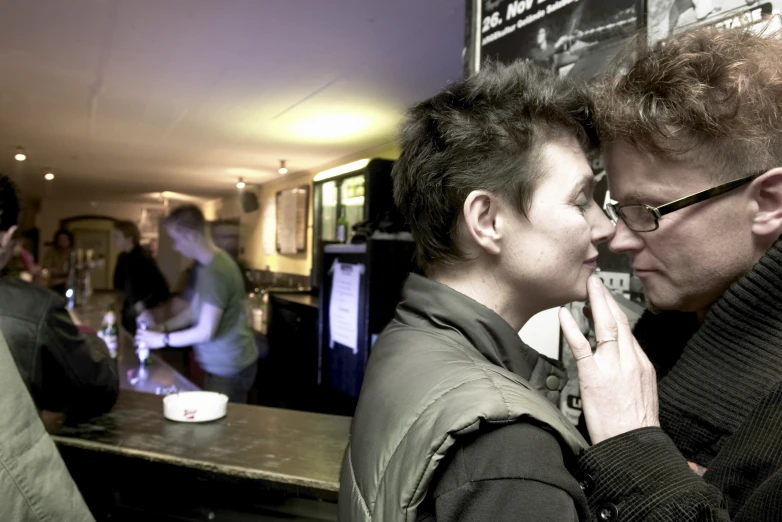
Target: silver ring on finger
584,356
609,340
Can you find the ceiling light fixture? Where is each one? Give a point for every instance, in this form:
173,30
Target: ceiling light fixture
240,184
20,155
283,169
49,176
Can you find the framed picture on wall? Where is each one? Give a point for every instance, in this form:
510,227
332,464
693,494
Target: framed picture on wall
292,207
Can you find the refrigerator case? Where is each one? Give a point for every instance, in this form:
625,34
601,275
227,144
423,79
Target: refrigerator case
363,194
386,265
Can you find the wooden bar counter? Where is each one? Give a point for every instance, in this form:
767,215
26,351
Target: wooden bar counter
257,463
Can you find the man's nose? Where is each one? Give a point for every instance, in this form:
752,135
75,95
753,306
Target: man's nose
603,229
625,241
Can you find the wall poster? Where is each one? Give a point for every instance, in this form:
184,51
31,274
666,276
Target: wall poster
666,17
571,37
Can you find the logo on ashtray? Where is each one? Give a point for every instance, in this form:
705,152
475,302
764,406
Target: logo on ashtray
190,414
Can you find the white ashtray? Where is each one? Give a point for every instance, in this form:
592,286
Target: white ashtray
195,406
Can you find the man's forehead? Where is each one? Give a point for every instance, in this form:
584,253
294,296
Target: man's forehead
634,175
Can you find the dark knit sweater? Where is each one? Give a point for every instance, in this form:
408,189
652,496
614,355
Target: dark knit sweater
720,408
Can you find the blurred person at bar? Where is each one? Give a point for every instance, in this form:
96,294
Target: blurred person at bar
215,323
137,275
457,418
57,260
67,374
35,483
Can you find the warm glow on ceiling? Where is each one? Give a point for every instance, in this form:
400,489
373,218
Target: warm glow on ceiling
327,127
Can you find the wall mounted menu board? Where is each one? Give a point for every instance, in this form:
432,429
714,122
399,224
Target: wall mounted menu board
292,207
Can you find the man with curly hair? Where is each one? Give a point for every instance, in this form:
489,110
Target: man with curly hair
692,138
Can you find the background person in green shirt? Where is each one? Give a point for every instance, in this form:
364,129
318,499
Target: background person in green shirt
215,323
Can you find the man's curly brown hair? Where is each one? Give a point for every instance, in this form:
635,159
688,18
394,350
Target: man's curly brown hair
707,96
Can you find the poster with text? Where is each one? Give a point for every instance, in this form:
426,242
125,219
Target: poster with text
666,17
571,37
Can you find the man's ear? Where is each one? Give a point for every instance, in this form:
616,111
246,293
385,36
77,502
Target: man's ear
767,194
480,214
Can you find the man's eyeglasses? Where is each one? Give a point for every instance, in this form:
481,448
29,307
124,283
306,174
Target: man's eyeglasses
644,218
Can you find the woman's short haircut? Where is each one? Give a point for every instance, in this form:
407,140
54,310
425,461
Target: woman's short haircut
483,133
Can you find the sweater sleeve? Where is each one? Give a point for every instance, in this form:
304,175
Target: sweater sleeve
641,476
512,473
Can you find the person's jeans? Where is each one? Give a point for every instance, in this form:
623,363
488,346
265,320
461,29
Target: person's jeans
236,386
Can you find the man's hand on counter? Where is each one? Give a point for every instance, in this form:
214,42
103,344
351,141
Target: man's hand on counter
152,340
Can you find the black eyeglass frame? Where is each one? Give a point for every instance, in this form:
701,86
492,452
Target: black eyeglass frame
614,210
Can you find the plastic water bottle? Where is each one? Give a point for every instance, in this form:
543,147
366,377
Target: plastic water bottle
142,351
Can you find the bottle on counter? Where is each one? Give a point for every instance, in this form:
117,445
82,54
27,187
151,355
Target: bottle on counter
143,351
109,330
72,283
342,225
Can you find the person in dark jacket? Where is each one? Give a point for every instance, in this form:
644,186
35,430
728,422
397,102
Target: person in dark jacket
457,417
693,150
67,374
136,275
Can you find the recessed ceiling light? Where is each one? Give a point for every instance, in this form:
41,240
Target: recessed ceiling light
240,184
283,169
49,176
20,155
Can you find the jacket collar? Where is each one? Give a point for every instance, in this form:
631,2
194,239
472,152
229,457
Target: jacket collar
428,302
729,365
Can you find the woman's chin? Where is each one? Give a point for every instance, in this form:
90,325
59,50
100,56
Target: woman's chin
580,293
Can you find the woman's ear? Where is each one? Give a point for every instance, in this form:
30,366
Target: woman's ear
767,194
480,212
